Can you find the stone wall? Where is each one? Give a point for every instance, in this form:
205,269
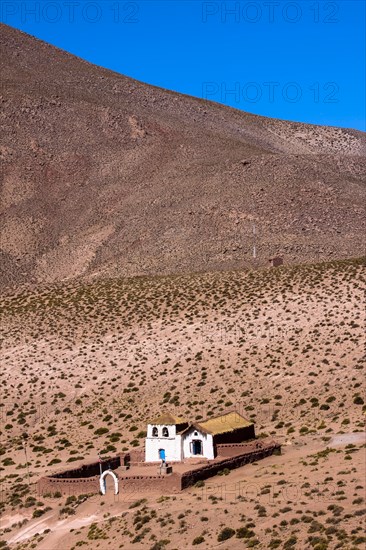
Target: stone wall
191,477
78,481
137,455
89,470
232,449
162,484
68,487
237,456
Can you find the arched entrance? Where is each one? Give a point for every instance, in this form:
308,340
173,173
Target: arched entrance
102,482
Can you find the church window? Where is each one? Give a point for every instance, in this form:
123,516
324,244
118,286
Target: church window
165,432
155,432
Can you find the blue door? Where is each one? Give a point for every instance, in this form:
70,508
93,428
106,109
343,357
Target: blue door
162,454
197,447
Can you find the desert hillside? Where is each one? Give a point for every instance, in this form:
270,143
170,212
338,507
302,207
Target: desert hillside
104,176
86,365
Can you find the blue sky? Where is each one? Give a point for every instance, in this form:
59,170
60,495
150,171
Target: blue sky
298,60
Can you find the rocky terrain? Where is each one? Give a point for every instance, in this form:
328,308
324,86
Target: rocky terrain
129,287
87,365
106,176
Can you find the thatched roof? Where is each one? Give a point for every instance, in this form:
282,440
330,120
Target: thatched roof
167,419
224,423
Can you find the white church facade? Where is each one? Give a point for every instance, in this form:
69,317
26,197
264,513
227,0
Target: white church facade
173,439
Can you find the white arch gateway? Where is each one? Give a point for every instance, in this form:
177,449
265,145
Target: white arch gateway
103,483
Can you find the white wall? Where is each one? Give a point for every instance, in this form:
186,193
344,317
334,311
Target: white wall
172,445
207,444
176,447
171,430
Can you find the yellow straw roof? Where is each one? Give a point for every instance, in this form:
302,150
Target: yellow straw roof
168,419
225,423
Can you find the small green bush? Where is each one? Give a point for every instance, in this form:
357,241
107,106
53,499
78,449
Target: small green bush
101,431
200,483
225,534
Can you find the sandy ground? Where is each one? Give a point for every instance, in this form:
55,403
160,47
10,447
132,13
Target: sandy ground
86,367
243,488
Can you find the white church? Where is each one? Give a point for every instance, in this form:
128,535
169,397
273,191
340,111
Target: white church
173,439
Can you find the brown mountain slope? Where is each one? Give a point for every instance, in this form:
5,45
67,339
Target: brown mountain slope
103,175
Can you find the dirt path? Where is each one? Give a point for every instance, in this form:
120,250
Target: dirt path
29,530
89,513
58,529
345,439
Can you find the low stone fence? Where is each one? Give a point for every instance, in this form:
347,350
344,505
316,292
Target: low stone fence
146,464
232,449
78,481
90,470
169,483
237,455
68,486
191,477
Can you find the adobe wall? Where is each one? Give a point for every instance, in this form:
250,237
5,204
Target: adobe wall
137,455
237,456
191,477
129,484
68,487
232,449
146,464
78,481
169,484
89,470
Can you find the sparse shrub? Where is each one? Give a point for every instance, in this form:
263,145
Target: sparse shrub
54,461
290,543
138,503
225,534
199,483
101,431
244,533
